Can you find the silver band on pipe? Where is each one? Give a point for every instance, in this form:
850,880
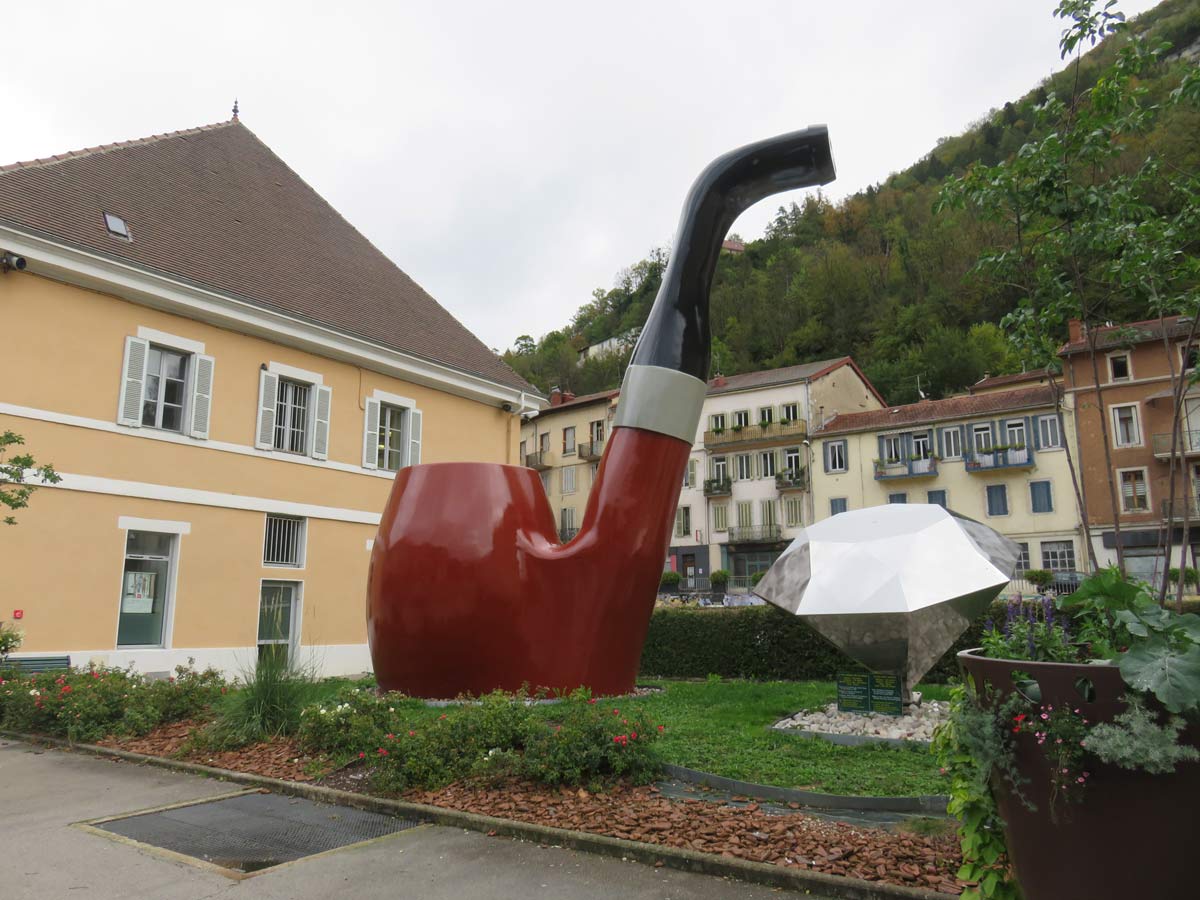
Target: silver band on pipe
662,400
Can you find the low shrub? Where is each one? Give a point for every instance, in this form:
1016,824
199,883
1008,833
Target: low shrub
87,705
593,742
352,719
267,703
670,580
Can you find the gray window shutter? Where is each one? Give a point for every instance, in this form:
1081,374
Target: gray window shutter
133,381
202,387
268,397
320,442
371,435
414,438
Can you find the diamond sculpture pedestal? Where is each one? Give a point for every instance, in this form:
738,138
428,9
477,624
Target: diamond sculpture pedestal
894,586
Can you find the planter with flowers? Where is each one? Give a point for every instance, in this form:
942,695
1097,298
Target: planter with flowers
10,640
1072,748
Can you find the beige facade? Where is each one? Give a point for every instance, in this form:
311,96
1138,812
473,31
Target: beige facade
65,565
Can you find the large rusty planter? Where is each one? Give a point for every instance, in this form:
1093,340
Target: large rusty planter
1133,833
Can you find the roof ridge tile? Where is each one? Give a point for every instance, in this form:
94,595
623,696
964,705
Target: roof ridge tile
56,158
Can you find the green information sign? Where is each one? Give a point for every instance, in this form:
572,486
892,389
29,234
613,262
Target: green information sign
862,692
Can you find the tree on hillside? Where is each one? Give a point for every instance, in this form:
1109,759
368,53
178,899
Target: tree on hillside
15,472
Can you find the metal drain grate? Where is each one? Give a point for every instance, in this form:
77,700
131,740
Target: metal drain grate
251,832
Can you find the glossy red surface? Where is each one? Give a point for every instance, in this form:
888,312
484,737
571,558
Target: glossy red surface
470,589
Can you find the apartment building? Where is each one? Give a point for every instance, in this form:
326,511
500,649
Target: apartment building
747,489
227,375
995,455
564,442
1134,399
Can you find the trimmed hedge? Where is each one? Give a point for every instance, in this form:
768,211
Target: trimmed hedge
763,643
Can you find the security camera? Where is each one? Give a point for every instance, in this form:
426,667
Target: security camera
507,407
11,261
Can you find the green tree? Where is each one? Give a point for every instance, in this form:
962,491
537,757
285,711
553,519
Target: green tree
15,472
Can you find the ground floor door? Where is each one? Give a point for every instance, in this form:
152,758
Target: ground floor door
278,618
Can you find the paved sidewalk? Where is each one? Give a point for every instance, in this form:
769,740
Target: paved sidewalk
42,792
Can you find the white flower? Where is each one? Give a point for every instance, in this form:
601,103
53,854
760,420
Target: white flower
35,693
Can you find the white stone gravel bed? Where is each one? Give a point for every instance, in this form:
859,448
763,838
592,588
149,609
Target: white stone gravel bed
916,725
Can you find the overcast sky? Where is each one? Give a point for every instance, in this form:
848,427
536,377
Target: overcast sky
513,157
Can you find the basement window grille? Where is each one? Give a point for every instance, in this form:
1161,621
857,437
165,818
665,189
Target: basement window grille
283,544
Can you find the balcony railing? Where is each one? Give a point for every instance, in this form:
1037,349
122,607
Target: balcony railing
1009,458
591,450
748,434
792,480
717,487
1189,444
755,534
912,468
538,460
1189,507
565,534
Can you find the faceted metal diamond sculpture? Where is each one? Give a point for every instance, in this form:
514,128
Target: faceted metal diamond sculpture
892,586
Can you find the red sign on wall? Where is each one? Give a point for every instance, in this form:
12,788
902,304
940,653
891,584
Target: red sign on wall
18,613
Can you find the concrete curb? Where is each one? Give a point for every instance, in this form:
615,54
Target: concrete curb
931,805
833,887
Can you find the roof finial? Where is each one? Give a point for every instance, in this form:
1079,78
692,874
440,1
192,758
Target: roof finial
235,109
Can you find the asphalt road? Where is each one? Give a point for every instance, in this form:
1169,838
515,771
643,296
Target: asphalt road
44,854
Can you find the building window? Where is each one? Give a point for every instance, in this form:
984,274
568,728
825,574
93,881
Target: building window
1058,556
1190,354
1022,558
766,415
937,498
1126,430
997,500
1118,367
951,443
683,521
793,511
720,468
283,542
1040,497
390,455
835,456
277,620
716,422
689,474
569,440
789,412
768,512
982,438
595,467
544,442
720,517
745,514
741,418
920,446
291,416
566,527
568,479
791,461
766,463
166,386
1134,494
521,453
745,466
837,505
117,226
145,583
1016,433
891,448
1049,433
545,476
899,497
596,432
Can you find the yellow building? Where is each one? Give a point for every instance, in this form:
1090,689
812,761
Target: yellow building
227,376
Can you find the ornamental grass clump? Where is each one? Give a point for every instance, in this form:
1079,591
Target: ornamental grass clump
266,704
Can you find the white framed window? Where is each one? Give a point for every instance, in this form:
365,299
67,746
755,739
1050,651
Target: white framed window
596,433
683,521
766,415
1058,556
744,464
392,432
1015,431
166,384
789,412
1049,433
1022,558
279,619
1135,490
793,511
891,448
951,443
741,418
293,411
1120,367
544,442
997,499
720,468
769,515
720,517
716,422
981,439
568,440
1126,425
566,523
568,479
835,456
545,476
147,588
921,448
766,464
792,460
745,514
689,473
284,541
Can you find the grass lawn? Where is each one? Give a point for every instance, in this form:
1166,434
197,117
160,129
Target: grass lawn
721,727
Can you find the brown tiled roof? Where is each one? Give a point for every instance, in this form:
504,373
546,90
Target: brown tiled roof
1110,336
786,375
214,206
581,400
1000,380
929,411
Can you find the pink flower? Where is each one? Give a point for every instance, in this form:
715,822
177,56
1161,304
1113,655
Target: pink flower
361,755
412,734
661,727
382,752
633,735
1064,771
1080,779
442,716
391,737
591,699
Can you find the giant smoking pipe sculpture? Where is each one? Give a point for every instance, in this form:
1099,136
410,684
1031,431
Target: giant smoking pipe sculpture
470,589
